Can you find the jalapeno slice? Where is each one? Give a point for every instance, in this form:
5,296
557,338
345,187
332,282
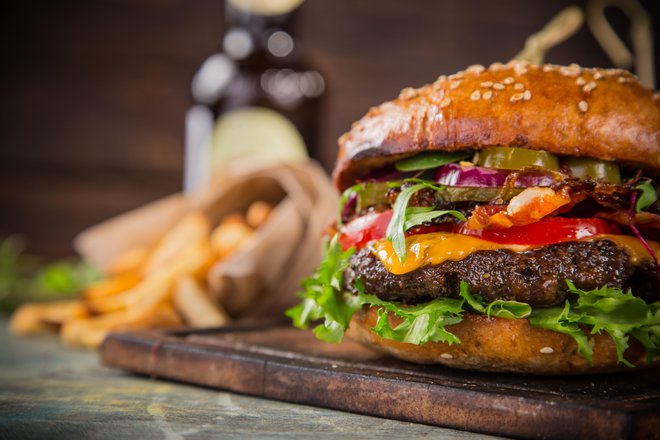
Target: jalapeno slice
586,167
510,158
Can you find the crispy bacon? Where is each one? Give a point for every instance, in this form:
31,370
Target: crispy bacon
607,195
528,207
641,219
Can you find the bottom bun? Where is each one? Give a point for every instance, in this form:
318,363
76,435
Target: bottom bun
497,344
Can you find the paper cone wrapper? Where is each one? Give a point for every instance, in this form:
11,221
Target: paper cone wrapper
262,277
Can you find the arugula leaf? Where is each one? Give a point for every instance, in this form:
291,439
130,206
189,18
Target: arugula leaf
647,196
415,216
404,218
396,232
427,161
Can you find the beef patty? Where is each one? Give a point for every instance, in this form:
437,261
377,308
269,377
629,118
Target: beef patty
536,277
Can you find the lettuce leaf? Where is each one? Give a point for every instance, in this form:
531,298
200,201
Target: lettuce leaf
325,298
421,324
608,309
498,308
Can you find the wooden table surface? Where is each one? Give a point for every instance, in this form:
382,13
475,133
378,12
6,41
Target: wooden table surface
50,391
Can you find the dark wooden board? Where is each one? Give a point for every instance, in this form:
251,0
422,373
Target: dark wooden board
278,362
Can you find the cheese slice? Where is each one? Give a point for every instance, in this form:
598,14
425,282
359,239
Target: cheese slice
438,247
636,250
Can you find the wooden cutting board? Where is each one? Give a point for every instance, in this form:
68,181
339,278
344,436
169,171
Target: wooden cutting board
276,361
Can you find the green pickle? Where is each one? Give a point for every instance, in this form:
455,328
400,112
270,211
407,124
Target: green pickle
375,193
586,167
509,158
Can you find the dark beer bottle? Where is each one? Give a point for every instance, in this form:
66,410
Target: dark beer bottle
256,101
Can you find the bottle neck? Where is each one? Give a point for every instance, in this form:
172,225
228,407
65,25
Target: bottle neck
249,33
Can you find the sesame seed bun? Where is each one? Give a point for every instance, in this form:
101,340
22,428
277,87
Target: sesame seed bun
600,113
502,345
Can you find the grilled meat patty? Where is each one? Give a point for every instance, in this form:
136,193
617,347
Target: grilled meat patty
536,277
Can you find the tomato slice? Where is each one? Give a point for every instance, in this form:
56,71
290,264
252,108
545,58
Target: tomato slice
357,233
546,231
373,226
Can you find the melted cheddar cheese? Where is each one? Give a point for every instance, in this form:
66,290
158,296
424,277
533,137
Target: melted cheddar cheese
437,247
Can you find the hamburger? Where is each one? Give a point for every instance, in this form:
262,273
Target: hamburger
500,219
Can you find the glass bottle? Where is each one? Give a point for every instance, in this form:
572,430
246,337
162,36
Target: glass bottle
257,101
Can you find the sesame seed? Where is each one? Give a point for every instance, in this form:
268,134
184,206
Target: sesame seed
519,87
580,81
454,85
516,97
487,95
487,84
498,86
508,80
598,75
548,68
475,96
656,96
583,106
527,95
547,350
446,356
520,69
408,93
589,87
442,78
496,66
475,68
621,79
445,102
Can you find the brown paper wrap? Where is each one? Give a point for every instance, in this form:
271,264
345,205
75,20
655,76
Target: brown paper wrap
262,277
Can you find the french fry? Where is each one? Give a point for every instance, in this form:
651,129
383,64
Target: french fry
90,332
258,213
130,261
111,286
157,288
231,234
194,227
43,317
195,307
108,295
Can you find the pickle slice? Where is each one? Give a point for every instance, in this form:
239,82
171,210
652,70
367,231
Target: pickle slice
510,158
588,168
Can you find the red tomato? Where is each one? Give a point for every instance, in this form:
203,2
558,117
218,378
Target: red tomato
546,231
373,226
362,230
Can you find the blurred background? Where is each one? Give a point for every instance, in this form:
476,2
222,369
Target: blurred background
94,95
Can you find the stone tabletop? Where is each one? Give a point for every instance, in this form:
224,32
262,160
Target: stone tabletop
48,390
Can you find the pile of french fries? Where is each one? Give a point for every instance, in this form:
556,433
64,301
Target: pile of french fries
162,286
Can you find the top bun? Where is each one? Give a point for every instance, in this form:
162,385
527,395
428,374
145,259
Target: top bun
602,113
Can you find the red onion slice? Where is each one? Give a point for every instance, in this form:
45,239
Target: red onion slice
474,176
